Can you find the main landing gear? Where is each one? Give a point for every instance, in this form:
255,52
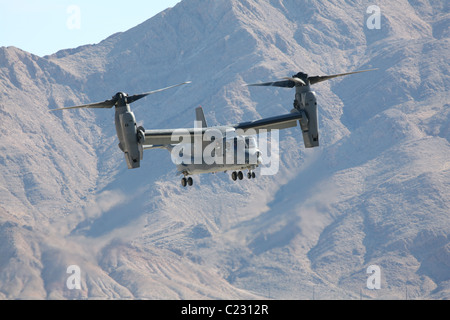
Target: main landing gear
187,182
239,175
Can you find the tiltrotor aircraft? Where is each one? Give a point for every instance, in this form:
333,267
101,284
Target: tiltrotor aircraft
227,148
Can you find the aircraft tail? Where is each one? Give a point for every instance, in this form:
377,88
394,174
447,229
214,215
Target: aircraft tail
200,117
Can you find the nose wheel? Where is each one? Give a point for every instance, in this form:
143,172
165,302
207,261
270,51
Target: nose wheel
187,182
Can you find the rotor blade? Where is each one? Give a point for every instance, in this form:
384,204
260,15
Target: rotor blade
281,84
317,79
98,105
136,97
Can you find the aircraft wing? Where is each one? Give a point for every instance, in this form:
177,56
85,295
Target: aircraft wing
165,137
278,122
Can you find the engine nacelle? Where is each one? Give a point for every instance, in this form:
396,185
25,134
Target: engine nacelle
307,104
127,132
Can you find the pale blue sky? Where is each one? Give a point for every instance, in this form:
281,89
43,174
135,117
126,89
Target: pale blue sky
43,27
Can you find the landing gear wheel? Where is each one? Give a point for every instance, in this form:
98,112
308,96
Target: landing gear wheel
253,175
190,182
240,175
184,182
249,175
234,176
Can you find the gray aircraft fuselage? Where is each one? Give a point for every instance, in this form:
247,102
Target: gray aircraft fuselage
232,154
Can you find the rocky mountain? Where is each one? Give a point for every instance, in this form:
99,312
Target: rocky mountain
375,193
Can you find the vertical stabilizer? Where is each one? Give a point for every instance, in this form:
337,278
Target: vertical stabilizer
200,117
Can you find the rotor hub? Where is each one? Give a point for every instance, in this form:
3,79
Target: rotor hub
301,75
120,95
